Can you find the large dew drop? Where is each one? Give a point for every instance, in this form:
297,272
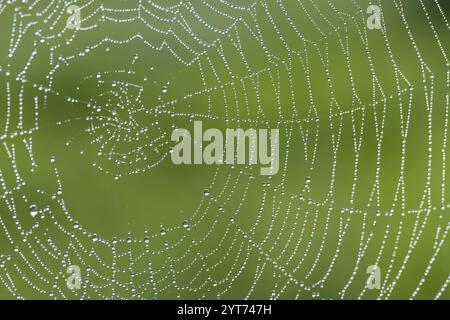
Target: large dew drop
33,210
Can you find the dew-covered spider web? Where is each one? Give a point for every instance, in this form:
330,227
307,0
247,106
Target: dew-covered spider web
86,116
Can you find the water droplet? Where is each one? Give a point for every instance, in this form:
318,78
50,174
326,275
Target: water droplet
206,192
34,210
164,90
94,238
146,240
162,231
186,225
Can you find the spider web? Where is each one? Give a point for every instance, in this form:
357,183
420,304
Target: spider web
363,119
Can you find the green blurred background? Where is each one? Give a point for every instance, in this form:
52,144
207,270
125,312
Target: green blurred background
362,116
